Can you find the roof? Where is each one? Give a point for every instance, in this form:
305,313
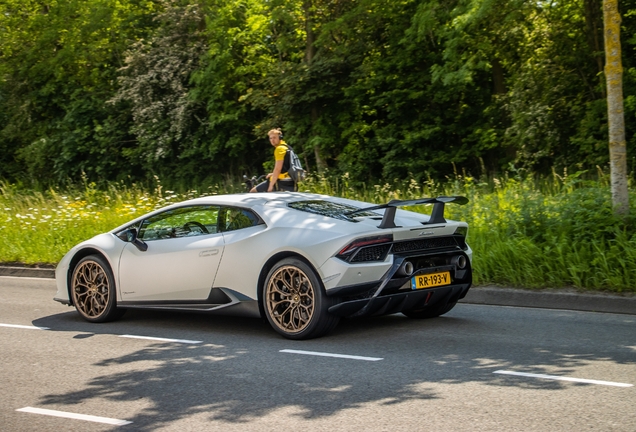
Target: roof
255,199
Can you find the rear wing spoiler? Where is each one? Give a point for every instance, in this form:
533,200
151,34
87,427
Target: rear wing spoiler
437,216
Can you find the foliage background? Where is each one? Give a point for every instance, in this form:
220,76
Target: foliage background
380,89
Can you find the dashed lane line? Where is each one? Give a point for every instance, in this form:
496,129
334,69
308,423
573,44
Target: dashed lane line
323,354
70,415
563,378
23,327
186,341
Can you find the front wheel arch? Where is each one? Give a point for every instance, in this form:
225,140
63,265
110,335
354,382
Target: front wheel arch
81,254
94,290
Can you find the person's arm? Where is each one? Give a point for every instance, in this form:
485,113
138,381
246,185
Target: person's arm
274,176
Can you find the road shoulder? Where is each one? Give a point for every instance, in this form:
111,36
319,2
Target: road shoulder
568,299
37,272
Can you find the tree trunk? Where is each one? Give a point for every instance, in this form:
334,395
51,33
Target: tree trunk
499,83
593,23
615,115
310,49
320,164
310,52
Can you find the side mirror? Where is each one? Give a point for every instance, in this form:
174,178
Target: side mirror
130,236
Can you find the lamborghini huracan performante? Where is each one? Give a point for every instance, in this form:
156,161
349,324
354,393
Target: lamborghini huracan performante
300,260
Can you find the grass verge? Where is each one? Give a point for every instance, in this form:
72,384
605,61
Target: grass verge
533,233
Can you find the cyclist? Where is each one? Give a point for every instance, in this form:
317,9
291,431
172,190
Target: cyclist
278,180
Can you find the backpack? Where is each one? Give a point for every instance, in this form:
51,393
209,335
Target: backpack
295,169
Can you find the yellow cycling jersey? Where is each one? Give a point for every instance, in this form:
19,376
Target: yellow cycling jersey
279,154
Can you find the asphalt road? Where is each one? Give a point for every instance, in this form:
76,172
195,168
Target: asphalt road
457,372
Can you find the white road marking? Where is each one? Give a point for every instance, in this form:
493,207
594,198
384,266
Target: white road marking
161,339
24,327
28,278
322,354
75,416
562,378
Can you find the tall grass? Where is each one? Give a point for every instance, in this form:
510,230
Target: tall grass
40,227
525,232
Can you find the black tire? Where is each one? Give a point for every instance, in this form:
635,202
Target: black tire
295,302
93,290
429,312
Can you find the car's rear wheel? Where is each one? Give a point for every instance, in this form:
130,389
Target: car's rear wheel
295,302
429,312
93,290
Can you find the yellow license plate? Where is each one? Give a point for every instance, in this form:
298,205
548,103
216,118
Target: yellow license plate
430,280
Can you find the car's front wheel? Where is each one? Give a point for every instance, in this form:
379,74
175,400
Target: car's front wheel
295,302
93,290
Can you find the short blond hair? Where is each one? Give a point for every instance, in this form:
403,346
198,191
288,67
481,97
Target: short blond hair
275,131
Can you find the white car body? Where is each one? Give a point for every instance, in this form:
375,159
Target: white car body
223,271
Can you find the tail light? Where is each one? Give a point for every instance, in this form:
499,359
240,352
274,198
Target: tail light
376,249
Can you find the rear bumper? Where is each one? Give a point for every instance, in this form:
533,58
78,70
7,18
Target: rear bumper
393,293
398,302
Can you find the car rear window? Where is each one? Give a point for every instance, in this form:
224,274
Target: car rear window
331,209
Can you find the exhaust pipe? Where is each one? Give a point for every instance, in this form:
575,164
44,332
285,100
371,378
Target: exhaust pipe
459,261
406,269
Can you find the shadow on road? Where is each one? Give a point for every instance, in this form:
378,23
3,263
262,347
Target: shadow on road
238,373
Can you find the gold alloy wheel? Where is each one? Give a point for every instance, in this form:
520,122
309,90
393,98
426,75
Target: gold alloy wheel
290,299
90,289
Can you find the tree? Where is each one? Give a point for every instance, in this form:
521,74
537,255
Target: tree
378,89
155,84
58,64
229,142
616,118
302,90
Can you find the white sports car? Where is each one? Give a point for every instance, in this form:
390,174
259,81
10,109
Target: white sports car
300,260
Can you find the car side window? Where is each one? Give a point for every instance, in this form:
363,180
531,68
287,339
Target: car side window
233,218
181,222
